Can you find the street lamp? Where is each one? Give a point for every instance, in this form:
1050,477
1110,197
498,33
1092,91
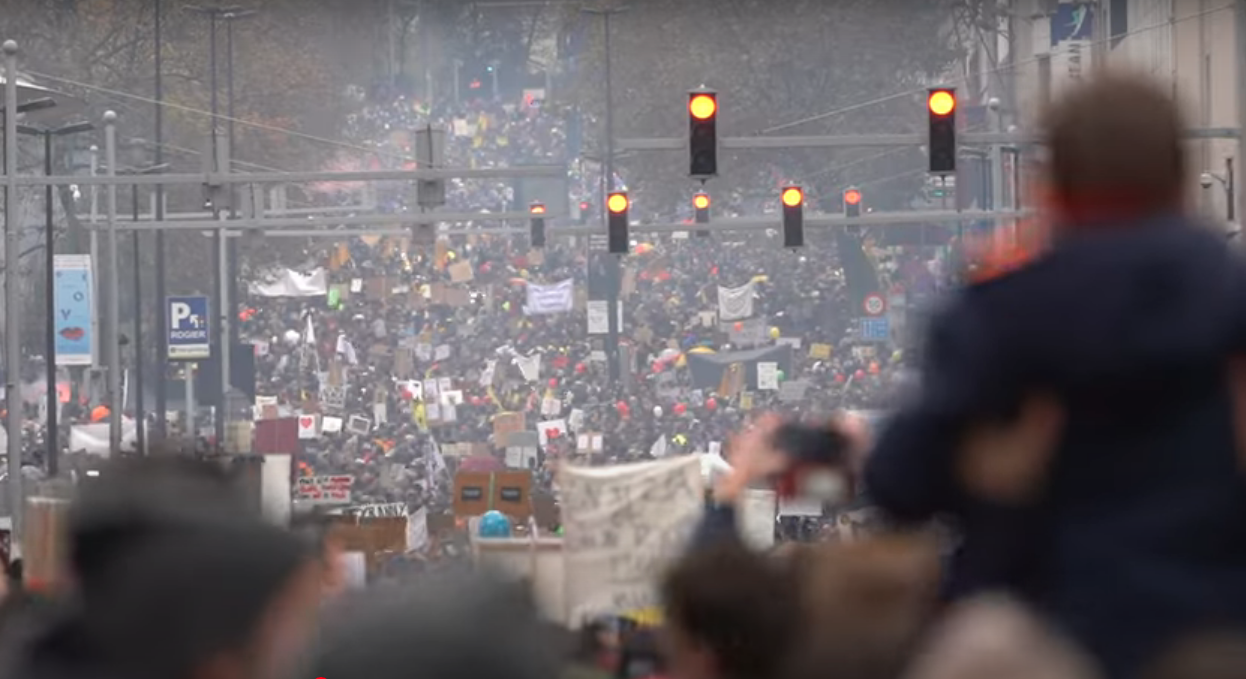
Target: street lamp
223,248
49,351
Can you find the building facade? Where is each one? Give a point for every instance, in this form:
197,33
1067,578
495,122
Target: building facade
1189,45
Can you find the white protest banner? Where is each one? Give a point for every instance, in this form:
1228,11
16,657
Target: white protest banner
94,438
384,510
767,376
598,313
757,517
330,424
622,527
290,283
735,303
555,298
325,490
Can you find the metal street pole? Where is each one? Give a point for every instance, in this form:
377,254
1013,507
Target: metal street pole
162,322
613,265
12,300
1239,16
220,335
139,416
234,329
112,335
612,300
458,67
49,238
49,308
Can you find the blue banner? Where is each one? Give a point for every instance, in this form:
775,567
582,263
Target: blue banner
74,304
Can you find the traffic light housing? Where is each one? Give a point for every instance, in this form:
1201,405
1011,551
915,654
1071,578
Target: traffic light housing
616,222
701,206
941,108
793,199
537,237
582,219
852,202
702,134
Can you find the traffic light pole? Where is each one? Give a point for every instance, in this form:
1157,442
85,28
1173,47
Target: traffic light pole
394,225
613,267
874,140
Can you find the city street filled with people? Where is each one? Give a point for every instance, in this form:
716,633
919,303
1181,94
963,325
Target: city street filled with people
675,339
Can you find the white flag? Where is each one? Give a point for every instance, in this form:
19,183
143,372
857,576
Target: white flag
554,298
309,333
347,350
658,449
486,375
436,463
529,366
735,303
417,530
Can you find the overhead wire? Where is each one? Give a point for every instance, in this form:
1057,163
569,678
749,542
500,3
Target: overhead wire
997,70
221,117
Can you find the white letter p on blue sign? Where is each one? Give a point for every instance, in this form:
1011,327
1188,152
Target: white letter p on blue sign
179,313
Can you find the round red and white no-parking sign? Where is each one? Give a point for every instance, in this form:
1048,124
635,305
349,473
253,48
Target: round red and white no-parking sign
874,304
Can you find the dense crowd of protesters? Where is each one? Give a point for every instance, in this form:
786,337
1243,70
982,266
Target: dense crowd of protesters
801,297
1078,426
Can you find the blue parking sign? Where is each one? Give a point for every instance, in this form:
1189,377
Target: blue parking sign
875,329
188,331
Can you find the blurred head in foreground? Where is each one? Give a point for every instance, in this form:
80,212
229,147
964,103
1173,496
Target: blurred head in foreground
731,613
865,604
1115,153
854,610
170,579
1114,156
443,628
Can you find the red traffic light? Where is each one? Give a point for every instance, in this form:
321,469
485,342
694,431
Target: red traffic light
793,196
941,102
617,203
702,106
537,209
584,206
701,201
852,197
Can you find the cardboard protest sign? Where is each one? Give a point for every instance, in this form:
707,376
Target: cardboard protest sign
508,492
505,424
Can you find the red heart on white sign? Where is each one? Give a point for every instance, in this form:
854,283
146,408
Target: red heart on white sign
307,422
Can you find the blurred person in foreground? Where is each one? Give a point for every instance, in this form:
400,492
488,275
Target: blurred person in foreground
168,579
444,627
1075,416
849,610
